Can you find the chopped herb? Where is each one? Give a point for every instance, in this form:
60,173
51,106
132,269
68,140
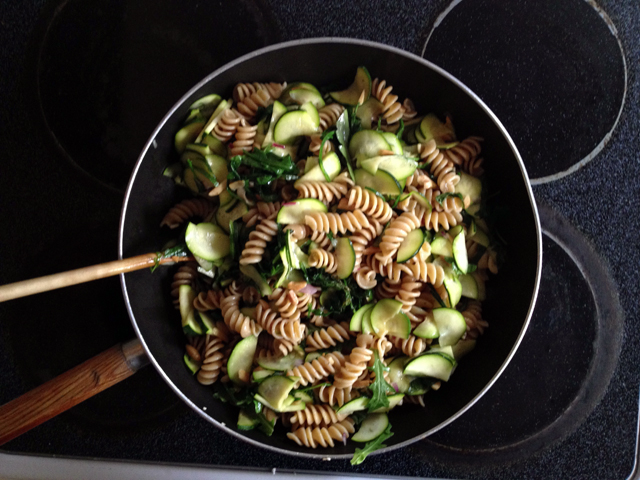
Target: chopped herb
379,124
380,387
400,130
441,198
370,447
471,268
261,170
325,137
358,417
312,387
343,131
264,114
179,250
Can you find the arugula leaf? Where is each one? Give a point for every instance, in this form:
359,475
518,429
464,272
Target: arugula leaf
441,198
400,130
380,387
179,250
237,398
325,137
312,387
259,170
370,447
265,425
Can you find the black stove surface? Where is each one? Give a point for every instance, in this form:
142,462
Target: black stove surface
78,103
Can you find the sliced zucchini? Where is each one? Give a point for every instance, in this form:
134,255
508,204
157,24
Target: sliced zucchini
346,257
275,390
245,422
214,119
187,134
278,110
382,182
394,143
356,320
241,359
302,95
451,325
436,365
397,165
441,246
482,294
469,185
371,427
427,329
262,285
479,236
355,405
366,322
208,101
296,124
432,128
351,96
454,289
191,364
303,396
394,401
260,375
331,165
294,212
215,146
411,245
282,364
190,324
387,318
469,286
417,197
369,112
230,213
367,144
207,240
186,296
463,347
397,376
459,249
208,324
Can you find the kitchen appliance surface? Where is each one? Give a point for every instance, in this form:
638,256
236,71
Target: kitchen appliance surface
563,78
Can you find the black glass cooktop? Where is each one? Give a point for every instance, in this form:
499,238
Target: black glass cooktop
83,86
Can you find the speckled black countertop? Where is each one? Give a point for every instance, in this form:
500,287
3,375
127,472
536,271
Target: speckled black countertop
591,205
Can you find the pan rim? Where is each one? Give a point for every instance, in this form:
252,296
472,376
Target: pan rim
396,51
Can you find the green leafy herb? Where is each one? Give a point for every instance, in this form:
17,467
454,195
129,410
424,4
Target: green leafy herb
376,193
234,235
370,447
259,170
265,425
441,198
380,387
437,296
312,387
264,114
199,184
343,130
341,294
325,137
379,124
179,250
400,130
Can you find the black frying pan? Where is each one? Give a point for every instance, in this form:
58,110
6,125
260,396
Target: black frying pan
510,295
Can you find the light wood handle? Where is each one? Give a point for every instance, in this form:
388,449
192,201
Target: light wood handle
69,389
82,275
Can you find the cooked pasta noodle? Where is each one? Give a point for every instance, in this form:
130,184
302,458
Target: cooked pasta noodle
186,209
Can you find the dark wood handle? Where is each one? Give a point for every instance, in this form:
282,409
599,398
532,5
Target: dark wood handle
69,389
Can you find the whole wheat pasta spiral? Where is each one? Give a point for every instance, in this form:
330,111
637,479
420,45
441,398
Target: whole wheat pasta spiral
412,346
286,302
322,436
324,191
186,275
260,211
446,220
395,233
409,110
318,368
321,240
209,300
473,317
245,136
336,396
315,416
213,358
366,278
441,168
388,288
489,261
353,367
363,237
235,320
186,209
298,232
392,111
249,105
369,203
327,337
408,292
243,90
315,143
258,239
425,271
227,125
450,205
320,258
465,151
329,115
337,223
278,327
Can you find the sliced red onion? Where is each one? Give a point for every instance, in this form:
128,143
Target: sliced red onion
297,362
277,145
344,438
310,289
289,204
395,387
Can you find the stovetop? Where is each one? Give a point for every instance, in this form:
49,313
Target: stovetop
83,85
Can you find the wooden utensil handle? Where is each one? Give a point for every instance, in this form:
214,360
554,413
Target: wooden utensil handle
82,275
69,389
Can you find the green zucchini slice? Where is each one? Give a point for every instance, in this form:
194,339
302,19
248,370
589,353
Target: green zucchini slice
351,96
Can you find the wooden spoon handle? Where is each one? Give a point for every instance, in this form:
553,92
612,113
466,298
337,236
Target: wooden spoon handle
82,275
69,389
